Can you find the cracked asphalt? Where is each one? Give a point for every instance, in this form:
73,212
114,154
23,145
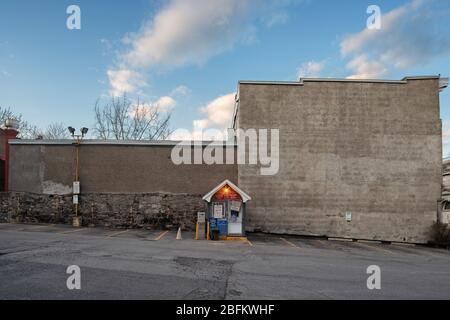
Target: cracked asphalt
151,264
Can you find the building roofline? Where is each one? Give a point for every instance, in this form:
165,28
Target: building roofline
289,83
443,83
303,80
157,143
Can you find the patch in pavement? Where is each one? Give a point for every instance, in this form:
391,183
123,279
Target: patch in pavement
204,268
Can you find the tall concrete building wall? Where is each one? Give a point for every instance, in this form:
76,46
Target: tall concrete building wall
369,148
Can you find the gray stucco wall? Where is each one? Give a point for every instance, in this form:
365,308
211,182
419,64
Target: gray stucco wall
50,169
373,149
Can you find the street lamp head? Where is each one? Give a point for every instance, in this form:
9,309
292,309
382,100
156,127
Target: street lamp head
84,130
71,130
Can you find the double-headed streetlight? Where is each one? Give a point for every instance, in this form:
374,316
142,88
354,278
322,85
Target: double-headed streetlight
76,222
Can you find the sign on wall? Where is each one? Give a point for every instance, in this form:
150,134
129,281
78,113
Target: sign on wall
218,211
201,217
76,187
235,206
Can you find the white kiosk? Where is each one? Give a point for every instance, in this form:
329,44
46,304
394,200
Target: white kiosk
226,210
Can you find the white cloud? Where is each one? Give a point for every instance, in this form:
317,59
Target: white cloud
408,37
310,69
180,91
187,32
124,81
165,103
182,32
218,112
363,68
275,18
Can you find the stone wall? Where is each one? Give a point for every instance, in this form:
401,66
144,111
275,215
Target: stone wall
144,210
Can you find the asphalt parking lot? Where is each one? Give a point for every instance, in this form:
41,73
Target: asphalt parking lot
151,264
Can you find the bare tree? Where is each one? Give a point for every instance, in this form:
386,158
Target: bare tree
56,130
28,131
122,119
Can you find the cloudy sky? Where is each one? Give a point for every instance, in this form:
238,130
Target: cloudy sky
186,56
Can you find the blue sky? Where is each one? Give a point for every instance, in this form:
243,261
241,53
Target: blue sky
188,55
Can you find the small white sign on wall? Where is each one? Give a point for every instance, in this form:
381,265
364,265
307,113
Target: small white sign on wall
76,187
348,216
201,217
75,199
235,206
218,211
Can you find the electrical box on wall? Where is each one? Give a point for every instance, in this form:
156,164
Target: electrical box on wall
201,217
76,187
348,216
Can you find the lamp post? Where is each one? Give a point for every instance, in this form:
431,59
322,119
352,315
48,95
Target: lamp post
76,222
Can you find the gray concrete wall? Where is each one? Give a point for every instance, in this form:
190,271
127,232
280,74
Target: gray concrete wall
370,148
50,169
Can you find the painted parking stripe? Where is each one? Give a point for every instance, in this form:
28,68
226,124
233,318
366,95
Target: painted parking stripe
162,234
249,243
289,243
72,231
117,233
11,226
374,247
413,250
6,224
33,227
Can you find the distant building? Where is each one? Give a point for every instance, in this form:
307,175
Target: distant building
445,205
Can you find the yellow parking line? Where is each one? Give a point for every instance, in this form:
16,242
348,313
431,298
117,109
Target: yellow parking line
72,231
249,243
162,234
117,233
289,243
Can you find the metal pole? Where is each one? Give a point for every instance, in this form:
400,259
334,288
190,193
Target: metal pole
77,170
77,167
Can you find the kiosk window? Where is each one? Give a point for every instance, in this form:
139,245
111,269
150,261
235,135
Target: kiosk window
234,216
